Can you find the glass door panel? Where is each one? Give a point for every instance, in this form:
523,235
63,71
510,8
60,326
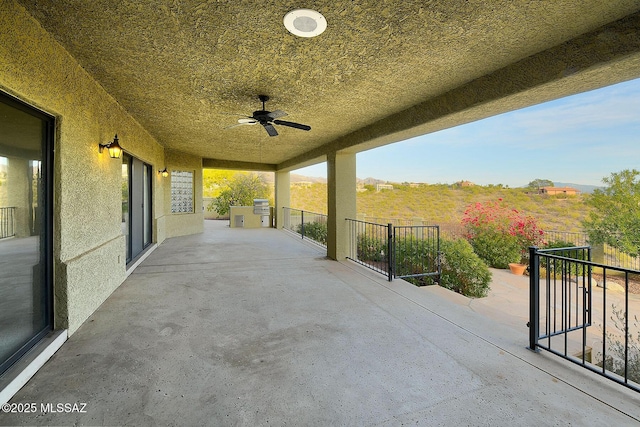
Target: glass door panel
26,138
136,205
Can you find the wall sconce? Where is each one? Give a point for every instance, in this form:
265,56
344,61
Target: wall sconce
113,147
164,173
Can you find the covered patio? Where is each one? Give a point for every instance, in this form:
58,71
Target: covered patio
174,87
256,327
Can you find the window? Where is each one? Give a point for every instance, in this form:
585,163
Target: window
181,192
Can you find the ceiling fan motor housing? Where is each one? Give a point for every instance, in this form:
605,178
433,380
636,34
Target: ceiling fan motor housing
262,116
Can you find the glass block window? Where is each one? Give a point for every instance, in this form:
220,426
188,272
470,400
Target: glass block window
182,192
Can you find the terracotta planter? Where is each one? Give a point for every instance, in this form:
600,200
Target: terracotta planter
517,269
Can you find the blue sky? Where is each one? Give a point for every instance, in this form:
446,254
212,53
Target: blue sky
579,139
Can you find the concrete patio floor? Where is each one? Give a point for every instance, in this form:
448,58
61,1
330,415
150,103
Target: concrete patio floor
256,327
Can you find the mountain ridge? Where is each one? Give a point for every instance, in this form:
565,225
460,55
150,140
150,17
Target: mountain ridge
295,178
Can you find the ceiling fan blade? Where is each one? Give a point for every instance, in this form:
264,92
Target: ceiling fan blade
240,124
247,121
292,124
270,129
234,114
276,114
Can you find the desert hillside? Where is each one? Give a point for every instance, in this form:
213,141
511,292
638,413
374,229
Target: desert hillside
445,204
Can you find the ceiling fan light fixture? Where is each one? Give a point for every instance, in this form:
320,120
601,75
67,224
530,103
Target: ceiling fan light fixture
305,23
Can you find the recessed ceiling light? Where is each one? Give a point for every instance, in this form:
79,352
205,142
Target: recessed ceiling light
305,23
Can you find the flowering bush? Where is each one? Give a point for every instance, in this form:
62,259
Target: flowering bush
500,235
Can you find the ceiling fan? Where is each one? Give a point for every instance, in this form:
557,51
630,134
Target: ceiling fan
268,118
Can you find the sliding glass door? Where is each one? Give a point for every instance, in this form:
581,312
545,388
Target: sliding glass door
136,205
26,250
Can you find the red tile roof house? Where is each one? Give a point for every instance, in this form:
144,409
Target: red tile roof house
552,191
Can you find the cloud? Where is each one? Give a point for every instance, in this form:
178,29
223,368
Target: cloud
608,108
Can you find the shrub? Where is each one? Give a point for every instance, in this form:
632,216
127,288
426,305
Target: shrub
315,231
371,249
414,256
462,270
496,249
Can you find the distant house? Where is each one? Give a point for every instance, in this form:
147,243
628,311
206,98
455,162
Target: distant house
466,184
380,187
553,191
302,184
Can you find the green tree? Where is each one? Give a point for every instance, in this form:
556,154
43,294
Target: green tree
538,183
240,191
214,180
615,217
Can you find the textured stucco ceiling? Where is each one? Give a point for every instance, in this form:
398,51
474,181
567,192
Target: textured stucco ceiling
379,73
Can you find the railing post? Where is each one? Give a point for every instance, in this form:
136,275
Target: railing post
286,212
589,283
438,254
390,250
534,298
302,224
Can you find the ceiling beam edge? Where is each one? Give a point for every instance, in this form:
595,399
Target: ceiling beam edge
237,165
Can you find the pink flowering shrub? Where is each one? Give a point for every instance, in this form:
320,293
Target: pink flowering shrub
500,235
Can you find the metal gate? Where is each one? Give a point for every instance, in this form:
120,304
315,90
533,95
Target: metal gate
563,293
416,253
600,334
407,252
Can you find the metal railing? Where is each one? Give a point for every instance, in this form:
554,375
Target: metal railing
7,222
603,253
370,245
416,253
408,252
598,330
384,220
309,225
577,238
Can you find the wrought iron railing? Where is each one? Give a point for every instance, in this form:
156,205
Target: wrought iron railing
384,220
309,225
578,238
7,222
581,310
603,253
370,245
411,252
416,253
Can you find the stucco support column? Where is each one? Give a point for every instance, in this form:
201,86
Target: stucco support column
283,196
341,201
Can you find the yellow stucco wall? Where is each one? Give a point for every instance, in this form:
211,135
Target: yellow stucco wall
178,224
89,248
